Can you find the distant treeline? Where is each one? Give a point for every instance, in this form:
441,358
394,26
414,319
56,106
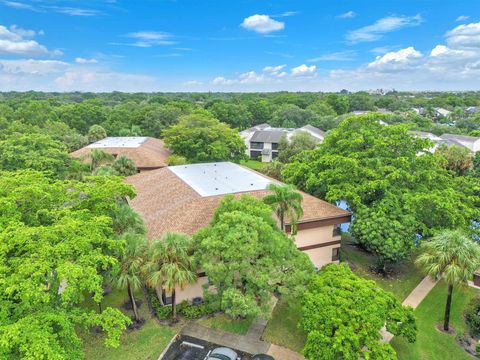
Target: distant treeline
69,116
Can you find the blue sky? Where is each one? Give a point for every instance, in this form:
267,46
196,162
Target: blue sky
195,45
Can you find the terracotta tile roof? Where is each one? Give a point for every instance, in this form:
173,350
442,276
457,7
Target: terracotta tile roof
167,203
150,154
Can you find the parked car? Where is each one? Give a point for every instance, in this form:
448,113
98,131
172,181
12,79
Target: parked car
222,353
262,357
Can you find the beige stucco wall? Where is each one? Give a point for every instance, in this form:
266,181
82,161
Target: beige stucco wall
191,291
320,235
314,236
321,256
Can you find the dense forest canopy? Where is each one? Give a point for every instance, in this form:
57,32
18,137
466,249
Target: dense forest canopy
68,116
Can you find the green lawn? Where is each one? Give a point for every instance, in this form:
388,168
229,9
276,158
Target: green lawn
253,164
146,343
432,344
404,279
282,329
224,323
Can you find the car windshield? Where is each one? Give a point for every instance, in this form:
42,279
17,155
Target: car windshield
219,356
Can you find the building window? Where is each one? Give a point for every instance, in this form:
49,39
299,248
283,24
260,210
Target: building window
255,154
274,146
337,230
274,154
335,254
256,145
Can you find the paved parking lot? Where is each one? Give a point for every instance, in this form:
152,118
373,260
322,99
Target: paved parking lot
179,350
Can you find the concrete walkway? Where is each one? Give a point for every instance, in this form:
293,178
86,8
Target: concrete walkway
414,299
420,292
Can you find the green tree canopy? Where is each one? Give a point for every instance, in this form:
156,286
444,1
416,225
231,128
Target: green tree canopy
342,315
96,132
35,152
56,241
395,187
299,142
200,137
248,258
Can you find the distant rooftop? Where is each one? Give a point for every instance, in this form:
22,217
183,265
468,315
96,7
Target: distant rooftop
220,178
119,142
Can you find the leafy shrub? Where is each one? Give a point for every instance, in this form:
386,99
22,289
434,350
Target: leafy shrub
477,348
472,317
196,311
162,312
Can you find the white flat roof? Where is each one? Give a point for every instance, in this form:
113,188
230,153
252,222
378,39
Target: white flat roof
220,178
119,142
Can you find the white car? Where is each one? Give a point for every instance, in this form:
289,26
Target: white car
222,353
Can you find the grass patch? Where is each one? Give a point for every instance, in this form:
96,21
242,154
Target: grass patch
224,323
432,344
253,164
282,329
146,343
405,275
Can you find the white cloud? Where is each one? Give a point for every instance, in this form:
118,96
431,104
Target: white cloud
74,11
262,24
382,26
80,60
464,36
19,5
346,55
444,51
53,75
150,38
393,59
18,41
276,70
304,71
348,15
462,18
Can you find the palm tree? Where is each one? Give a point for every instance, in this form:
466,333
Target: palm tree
125,219
171,264
131,264
450,255
286,201
99,157
124,166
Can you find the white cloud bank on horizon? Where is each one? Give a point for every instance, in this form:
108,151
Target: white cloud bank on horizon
451,65
454,65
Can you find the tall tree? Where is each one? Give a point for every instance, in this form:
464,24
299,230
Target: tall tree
451,256
171,264
56,243
286,201
300,141
342,315
387,177
248,258
131,263
200,138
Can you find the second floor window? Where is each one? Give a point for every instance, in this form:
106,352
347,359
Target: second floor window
256,145
274,146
